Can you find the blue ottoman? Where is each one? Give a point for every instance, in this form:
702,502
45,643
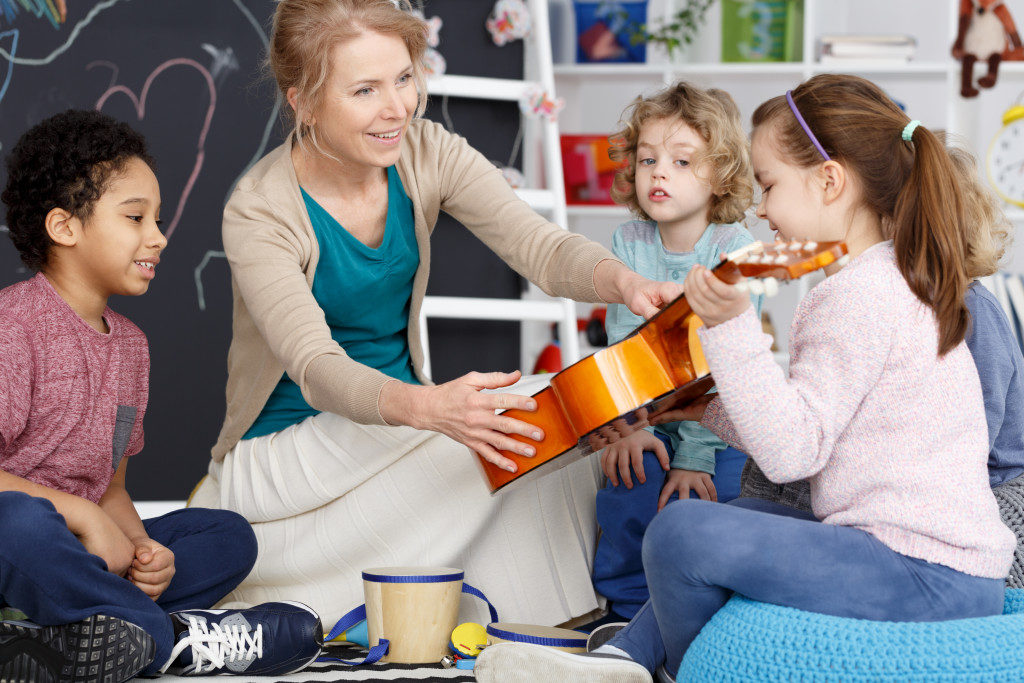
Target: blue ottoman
755,641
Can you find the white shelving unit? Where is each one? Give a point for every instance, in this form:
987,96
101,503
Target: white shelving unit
596,94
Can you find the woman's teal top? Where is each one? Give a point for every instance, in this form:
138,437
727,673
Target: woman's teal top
364,294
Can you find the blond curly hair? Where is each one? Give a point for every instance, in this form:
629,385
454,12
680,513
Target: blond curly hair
724,163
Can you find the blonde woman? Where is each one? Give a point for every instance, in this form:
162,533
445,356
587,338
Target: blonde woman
335,445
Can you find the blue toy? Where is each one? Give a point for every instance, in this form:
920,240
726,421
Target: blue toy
755,641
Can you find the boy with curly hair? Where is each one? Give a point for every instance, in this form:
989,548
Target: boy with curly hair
108,594
686,177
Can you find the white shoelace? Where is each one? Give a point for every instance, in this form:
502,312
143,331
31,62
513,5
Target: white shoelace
214,648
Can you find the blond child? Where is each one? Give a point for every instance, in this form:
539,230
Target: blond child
687,180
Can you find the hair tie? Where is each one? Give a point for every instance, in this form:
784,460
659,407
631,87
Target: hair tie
803,124
908,130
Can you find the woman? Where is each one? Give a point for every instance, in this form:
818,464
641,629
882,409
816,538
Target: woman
335,445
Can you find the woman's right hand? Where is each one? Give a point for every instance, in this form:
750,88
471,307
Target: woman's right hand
460,410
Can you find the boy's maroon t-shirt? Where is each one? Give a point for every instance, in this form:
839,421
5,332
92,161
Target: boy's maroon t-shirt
71,399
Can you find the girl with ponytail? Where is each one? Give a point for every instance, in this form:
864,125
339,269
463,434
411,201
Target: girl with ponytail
881,409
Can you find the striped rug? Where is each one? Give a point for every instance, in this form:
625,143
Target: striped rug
327,672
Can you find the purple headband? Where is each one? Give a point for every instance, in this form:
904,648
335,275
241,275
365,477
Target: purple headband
803,124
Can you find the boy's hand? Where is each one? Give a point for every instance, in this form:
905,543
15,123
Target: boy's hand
684,480
617,458
153,567
713,300
103,538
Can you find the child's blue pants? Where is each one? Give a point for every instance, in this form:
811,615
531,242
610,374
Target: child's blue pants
48,574
697,554
624,514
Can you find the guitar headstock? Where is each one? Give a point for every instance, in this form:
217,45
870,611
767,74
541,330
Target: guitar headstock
778,261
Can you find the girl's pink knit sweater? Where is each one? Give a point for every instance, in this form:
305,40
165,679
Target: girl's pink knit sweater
892,438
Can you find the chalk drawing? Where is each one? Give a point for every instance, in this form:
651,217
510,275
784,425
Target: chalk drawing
13,33
198,275
224,62
43,61
140,108
40,8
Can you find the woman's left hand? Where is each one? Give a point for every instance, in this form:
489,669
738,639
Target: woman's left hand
711,299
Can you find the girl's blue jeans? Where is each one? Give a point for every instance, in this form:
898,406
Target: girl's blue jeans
697,554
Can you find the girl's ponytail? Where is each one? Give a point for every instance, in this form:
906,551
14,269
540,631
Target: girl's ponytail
930,236
907,178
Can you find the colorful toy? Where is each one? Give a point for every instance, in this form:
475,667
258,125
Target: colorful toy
536,103
509,20
986,33
468,640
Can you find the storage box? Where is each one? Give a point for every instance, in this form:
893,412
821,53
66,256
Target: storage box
762,30
588,171
604,30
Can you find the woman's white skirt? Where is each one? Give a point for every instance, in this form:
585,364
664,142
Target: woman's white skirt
329,498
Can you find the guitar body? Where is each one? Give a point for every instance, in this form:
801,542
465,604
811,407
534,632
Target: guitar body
607,396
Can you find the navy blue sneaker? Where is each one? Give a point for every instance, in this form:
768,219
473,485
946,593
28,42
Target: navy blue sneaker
99,649
271,639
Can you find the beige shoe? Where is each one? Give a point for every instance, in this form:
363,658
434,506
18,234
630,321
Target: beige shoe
524,663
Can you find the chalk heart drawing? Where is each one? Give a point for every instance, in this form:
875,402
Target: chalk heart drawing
140,108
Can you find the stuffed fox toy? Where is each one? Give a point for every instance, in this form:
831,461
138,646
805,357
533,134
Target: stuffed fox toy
986,33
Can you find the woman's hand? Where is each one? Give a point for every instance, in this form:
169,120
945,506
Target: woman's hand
617,458
681,481
616,283
713,300
460,410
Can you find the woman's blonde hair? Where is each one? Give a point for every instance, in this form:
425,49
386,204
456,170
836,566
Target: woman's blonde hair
989,231
305,33
724,163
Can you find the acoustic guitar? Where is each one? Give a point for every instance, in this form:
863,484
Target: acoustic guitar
660,366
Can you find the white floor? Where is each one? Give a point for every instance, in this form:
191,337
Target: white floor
155,508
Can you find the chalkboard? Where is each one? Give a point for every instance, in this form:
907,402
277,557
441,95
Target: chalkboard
188,75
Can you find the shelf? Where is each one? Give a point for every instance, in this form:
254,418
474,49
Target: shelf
886,67
711,68
1014,213
937,68
598,210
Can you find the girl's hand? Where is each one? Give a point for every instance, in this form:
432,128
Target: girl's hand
713,300
460,410
617,458
153,567
684,480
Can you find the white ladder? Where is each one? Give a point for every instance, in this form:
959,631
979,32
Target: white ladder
550,201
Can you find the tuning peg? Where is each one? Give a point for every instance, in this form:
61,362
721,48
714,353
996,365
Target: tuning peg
843,260
743,285
810,245
771,286
756,287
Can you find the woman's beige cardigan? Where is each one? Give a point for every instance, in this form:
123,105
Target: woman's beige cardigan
279,327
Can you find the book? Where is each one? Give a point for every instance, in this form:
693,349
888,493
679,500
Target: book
862,46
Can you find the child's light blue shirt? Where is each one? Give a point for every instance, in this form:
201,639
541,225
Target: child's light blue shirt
639,245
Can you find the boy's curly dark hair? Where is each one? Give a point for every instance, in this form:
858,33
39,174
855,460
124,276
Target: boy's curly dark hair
67,162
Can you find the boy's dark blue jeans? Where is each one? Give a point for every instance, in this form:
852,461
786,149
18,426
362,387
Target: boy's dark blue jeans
47,573
624,514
